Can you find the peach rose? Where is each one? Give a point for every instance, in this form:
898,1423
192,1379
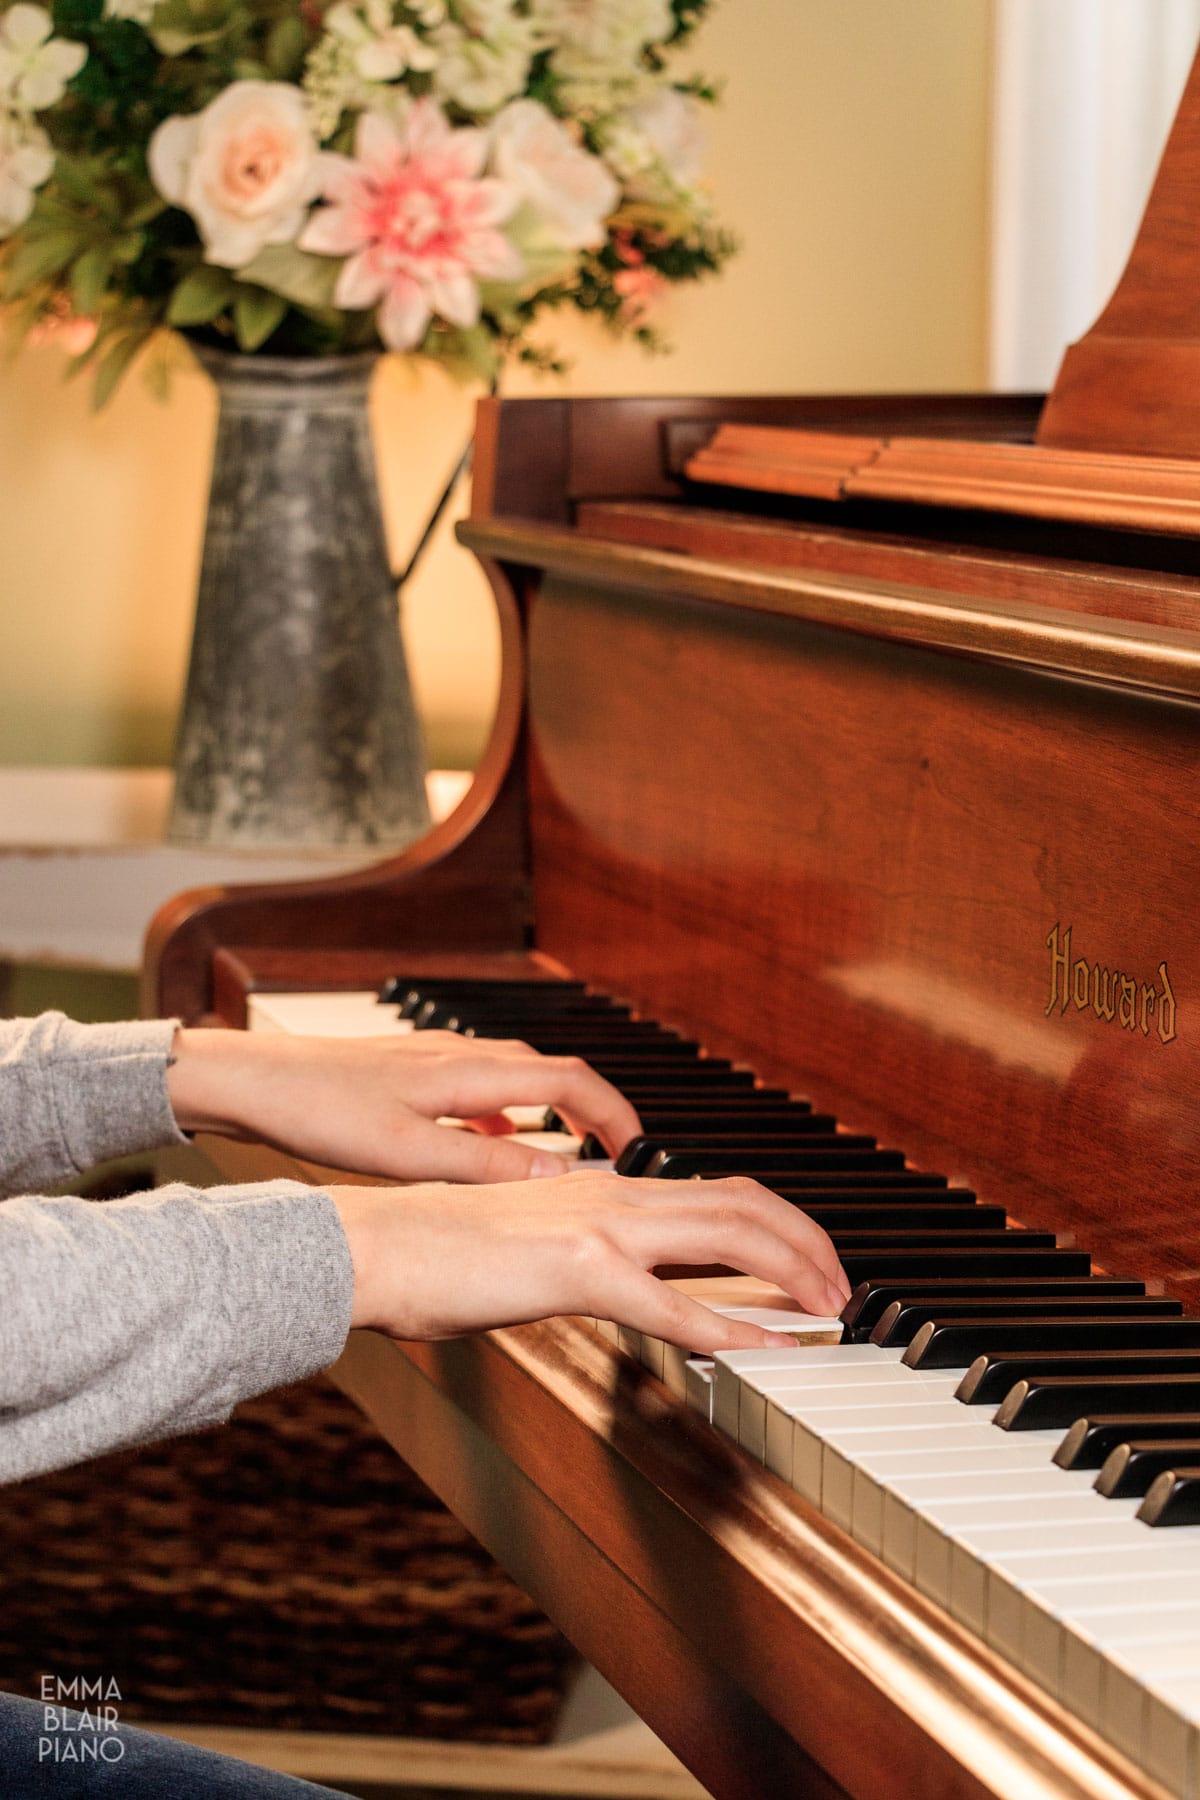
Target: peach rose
247,168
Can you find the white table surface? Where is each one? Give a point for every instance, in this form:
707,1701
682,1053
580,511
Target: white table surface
83,865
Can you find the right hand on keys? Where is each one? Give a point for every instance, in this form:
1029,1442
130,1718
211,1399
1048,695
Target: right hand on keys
437,1262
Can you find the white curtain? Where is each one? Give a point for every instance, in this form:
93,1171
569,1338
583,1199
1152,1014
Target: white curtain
1084,93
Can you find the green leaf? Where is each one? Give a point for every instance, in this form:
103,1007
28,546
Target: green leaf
75,181
38,258
286,46
302,278
256,313
89,277
204,292
146,213
114,363
470,355
128,248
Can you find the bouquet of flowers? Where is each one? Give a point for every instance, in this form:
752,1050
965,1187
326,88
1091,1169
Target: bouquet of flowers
312,179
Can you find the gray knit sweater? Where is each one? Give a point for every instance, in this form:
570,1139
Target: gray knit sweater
134,1319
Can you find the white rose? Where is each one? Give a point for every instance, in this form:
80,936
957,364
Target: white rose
670,123
571,191
247,168
26,160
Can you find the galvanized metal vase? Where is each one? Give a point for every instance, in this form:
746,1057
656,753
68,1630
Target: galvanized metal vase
298,729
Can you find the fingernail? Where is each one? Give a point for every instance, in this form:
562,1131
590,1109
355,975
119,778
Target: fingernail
546,1162
834,1299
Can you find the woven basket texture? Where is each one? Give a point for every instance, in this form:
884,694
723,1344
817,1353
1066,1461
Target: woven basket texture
288,1572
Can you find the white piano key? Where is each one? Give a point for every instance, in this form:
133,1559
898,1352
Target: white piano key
899,1536
698,1385
651,1353
1170,1750
1172,1728
350,1014
669,1363
960,1509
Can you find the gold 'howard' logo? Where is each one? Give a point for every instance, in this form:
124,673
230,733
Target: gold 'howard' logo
1121,999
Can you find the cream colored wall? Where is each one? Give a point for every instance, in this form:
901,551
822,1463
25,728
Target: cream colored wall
851,158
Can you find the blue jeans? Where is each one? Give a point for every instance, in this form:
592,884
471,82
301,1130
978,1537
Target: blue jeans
48,1752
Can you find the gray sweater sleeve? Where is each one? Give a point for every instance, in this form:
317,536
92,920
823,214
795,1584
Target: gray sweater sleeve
73,1095
137,1318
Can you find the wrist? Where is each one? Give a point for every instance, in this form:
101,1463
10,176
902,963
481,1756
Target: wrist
206,1077
360,1211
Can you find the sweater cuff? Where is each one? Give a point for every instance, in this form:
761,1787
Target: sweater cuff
290,1283
109,1084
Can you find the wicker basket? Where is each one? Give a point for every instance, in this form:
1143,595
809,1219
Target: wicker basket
288,1571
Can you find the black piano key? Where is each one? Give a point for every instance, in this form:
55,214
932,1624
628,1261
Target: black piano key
982,1241
1091,1439
743,1112
397,988
682,1165
974,1264
990,1378
710,1076
452,1014
862,1181
1129,1470
871,1299
1173,1499
907,1215
902,1320
604,1035
955,1343
640,1152
1043,1402
628,1053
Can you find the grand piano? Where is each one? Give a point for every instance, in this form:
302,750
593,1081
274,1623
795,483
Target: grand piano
857,740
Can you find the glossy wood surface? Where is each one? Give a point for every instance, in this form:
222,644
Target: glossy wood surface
1133,382
819,797
841,859
748,1625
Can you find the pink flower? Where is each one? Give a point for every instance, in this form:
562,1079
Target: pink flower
640,289
417,223
59,324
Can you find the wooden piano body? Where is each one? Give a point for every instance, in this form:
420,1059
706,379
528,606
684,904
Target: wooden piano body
895,801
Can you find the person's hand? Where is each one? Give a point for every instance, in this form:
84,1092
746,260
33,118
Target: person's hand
441,1261
370,1104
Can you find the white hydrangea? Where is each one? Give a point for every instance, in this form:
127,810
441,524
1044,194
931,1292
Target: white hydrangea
484,54
26,161
35,66
599,46
362,50
140,11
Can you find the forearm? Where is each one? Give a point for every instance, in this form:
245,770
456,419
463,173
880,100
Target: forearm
154,1315
73,1095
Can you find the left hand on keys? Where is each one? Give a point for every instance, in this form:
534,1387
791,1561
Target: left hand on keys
371,1104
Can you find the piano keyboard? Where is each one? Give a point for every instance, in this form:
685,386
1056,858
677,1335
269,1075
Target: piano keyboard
1007,1431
